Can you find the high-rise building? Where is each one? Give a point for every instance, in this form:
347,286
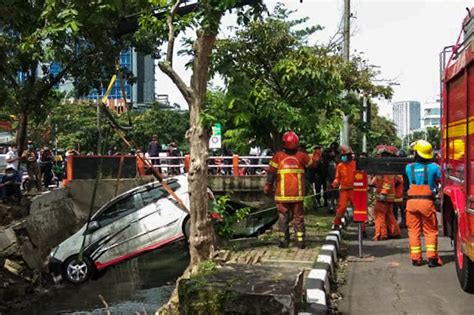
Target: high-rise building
432,114
140,94
407,117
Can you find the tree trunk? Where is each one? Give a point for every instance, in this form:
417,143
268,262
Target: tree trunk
203,239
22,131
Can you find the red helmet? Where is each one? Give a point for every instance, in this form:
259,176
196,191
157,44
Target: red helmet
345,149
290,140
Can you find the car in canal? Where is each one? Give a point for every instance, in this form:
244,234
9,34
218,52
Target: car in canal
137,221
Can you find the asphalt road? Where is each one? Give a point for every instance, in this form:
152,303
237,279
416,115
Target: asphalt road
391,285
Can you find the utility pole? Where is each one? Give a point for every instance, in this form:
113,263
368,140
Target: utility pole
346,50
364,119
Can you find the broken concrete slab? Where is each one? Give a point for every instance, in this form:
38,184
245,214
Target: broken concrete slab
243,289
13,266
8,242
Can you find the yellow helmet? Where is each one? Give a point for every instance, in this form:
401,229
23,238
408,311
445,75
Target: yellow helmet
423,149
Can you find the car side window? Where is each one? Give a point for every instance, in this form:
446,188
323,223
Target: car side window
153,195
120,209
156,193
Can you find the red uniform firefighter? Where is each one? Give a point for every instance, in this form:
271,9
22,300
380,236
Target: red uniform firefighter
344,180
287,168
385,222
423,176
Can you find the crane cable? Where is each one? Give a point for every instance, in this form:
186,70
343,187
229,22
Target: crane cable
119,130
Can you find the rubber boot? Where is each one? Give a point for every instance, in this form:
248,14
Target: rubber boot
416,263
284,243
435,262
300,240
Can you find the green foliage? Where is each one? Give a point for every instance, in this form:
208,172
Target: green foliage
275,81
229,217
432,135
206,267
381,131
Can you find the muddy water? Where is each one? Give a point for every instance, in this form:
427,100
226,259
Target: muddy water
139,285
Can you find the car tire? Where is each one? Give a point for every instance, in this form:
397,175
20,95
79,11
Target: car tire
187,229
76,271
464,265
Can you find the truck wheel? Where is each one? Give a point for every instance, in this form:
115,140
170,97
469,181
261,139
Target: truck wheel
464,266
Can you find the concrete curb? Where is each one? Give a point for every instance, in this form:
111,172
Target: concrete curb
318,282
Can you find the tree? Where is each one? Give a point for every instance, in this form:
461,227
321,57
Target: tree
275,81
380,131
431,134
75,37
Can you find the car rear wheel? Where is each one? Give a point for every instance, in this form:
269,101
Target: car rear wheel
464,266
187,229
78,271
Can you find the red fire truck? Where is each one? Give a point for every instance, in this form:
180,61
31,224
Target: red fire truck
457,147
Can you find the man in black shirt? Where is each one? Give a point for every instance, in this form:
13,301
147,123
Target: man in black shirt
154,149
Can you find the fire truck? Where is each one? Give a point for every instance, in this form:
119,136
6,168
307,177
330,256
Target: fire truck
457,149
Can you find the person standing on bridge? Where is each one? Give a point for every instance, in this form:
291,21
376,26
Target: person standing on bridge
287,168
423,176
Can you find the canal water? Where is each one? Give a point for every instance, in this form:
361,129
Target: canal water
140,285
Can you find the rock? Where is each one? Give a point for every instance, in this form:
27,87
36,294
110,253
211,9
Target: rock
13,266
242,289
8,242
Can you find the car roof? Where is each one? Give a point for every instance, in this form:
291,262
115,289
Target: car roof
180,179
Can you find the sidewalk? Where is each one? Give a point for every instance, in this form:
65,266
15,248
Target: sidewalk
391,285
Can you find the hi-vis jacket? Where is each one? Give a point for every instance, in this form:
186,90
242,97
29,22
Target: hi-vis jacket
385,185
345,175
290,176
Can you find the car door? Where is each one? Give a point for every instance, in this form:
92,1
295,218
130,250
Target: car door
164,220
122,232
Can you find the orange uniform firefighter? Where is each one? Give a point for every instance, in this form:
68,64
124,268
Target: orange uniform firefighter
287,168
385,223
423,176
344,180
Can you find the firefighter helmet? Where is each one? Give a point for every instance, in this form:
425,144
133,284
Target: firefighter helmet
290,140
345,149
423,149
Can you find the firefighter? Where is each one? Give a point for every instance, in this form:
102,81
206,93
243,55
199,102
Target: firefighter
344,181
401,188
287,168
423,176
385,223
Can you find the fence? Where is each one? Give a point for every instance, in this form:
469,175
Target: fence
129,166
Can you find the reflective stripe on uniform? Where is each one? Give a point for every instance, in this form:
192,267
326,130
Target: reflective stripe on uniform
430,248
290,171
284,198
386,186
415,249
300,189
282,186
299,236
273,164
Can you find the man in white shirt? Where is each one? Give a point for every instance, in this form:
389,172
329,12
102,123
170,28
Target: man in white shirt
12,158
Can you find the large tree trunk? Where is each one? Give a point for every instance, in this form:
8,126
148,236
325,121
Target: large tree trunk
22,132
203,239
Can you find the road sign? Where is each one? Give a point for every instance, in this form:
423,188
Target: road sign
217,129
360,196
215,142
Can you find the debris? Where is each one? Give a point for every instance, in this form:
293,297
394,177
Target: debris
13,266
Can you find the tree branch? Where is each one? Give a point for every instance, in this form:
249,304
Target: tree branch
166,67
171,36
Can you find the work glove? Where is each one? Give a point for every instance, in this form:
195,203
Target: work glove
335,185
267,189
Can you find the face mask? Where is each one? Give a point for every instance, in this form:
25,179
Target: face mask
344,158
29,146
9,174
